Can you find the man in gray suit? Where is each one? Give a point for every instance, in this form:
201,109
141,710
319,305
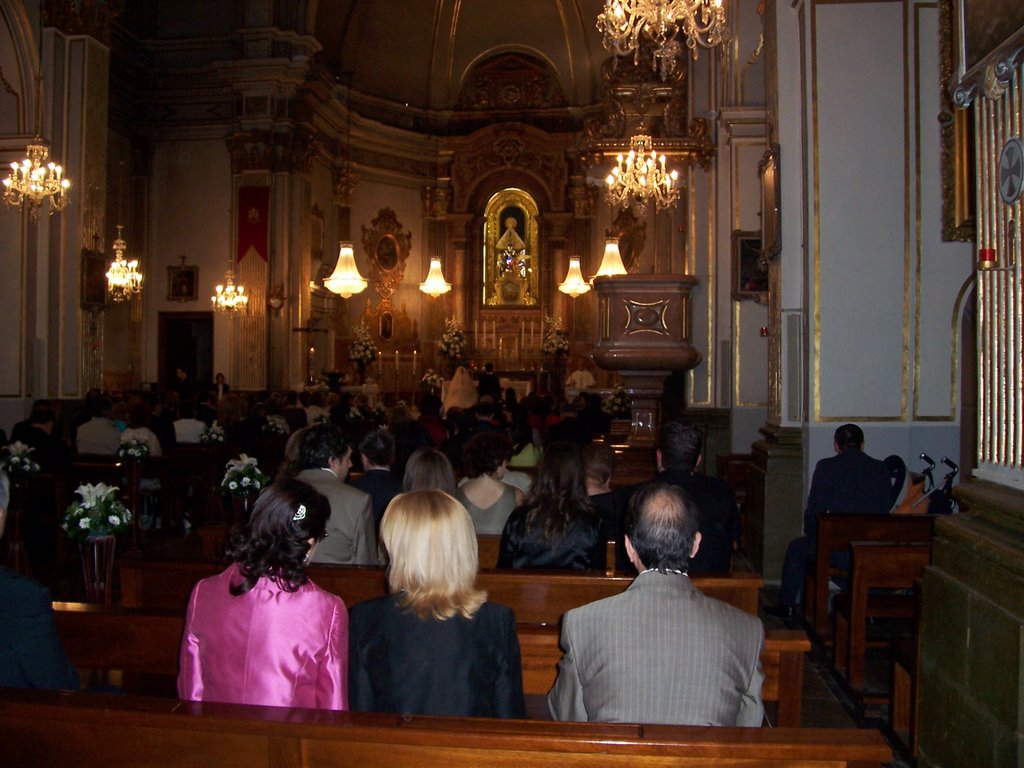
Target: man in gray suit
325,459
660,652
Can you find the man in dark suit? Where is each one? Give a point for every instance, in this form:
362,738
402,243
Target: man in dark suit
31,655
850,482
660,652
678,455
378,451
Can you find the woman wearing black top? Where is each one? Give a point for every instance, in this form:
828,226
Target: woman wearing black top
556,527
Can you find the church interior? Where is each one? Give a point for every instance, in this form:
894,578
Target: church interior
834,236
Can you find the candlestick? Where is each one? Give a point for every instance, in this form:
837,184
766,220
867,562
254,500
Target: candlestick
414,353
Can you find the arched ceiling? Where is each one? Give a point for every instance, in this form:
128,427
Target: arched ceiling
417,53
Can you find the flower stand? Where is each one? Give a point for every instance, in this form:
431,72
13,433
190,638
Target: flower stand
98,568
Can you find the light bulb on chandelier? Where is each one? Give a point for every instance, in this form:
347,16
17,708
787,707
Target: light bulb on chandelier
34,180
123,278
574,285
435,285
703,22
229,298
345,280
642,176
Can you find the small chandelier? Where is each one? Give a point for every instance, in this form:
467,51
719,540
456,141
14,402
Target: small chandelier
230,298
33,181
123,278
345,280
611,263
435,284
574,284
623,22
641,176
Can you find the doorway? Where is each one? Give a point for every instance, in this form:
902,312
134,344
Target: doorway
185,341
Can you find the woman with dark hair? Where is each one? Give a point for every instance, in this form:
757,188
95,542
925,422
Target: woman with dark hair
488,500
261,632
434,646
556,527
429,470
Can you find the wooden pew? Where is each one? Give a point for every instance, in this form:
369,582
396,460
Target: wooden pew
140,646
537,597
874,566
98,731
835,532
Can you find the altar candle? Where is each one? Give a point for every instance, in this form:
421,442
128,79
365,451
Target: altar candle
476,332
414,352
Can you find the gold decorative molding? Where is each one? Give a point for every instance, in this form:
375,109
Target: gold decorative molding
955,128
387,250
510,81
279,152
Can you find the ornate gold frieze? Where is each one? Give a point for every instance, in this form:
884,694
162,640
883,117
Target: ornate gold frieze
509,147
510,81
280,152
436,201
344,184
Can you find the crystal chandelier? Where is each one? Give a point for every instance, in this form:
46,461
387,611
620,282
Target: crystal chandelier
435,284
230,298
641,177
33,181
623,22
123,277
574,285
345,280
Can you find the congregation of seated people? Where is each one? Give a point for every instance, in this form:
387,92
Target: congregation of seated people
412,490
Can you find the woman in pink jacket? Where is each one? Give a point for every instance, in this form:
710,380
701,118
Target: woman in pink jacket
261,632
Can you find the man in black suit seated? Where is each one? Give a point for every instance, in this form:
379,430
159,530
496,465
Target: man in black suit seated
678,455
569,429
31,655
48,450
850,482
378,451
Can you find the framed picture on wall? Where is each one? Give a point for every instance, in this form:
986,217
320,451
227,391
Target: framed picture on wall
749,271
183,282
94,279
771,216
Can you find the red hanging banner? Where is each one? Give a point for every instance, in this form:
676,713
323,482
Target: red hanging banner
253,221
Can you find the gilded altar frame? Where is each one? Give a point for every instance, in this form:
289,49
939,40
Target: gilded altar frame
505,289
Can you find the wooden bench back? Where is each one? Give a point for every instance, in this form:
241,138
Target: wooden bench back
835,532
142,645
876,568
97,731
536,597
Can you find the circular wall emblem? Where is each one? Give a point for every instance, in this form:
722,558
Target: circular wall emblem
1011,171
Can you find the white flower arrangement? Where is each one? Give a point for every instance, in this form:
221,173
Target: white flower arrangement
212,435
555,341
431,382
363,351
133,449
617,404
98,513
243,477
17,461
453,341
275,427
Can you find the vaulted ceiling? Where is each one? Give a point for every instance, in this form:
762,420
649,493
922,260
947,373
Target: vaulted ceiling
418,53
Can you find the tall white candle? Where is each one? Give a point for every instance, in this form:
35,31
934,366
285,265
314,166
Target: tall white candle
414,353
